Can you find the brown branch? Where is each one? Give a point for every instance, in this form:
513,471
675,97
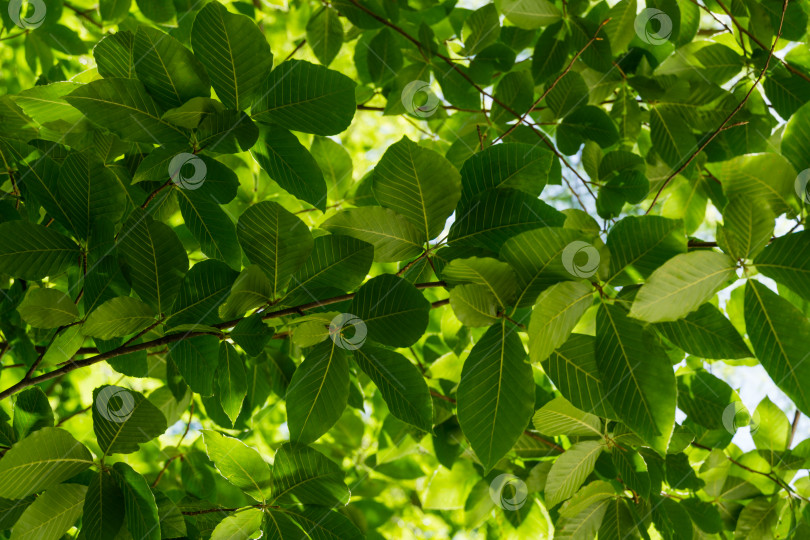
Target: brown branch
793,426
28,380
728,118
84,14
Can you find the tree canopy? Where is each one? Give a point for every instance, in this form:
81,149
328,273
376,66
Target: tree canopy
355,269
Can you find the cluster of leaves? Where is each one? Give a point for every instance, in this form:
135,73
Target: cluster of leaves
224,357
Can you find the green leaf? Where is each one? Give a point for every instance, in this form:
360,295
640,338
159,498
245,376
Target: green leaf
393,236
681,285
632,470
318,392
240,465
250,290
671,136
122,419
638,375
795,139
568,94
204,288
118,317
319,522
196,359
621,25
241,525
167,69
474,305
639,245
572,368
385,56
706,333
47,308
231,380
291,165
776,330
550,52
251,334
234,51
140,508
489,219
308,475
394,311
705,398
774,428
496,276
42,460
89,191
51,514
306,97
155,260
32,412
337,261
495,394
757,519
530,14
570,470
768,178
275,240
210,225
586,123
400,383
124,107
518,166
787,261
555,314
325,35
747,228
29,251
536,257
113,10
419,184
481,29
559,417
115,56
103,511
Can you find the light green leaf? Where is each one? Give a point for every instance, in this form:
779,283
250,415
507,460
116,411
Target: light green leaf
639,245
318,392
241,525
530,14
306,97
30,251
43,459
555,314
495,394
400,383
559,417
234,51
681,285
47,308
115,56
250,290
51,514
637,376
474,305
276,240
240,465
777,331
496,276
570,470
747,228
394,238
768,178
118,317
419,184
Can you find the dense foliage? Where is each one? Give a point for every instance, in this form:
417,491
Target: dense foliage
402,268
